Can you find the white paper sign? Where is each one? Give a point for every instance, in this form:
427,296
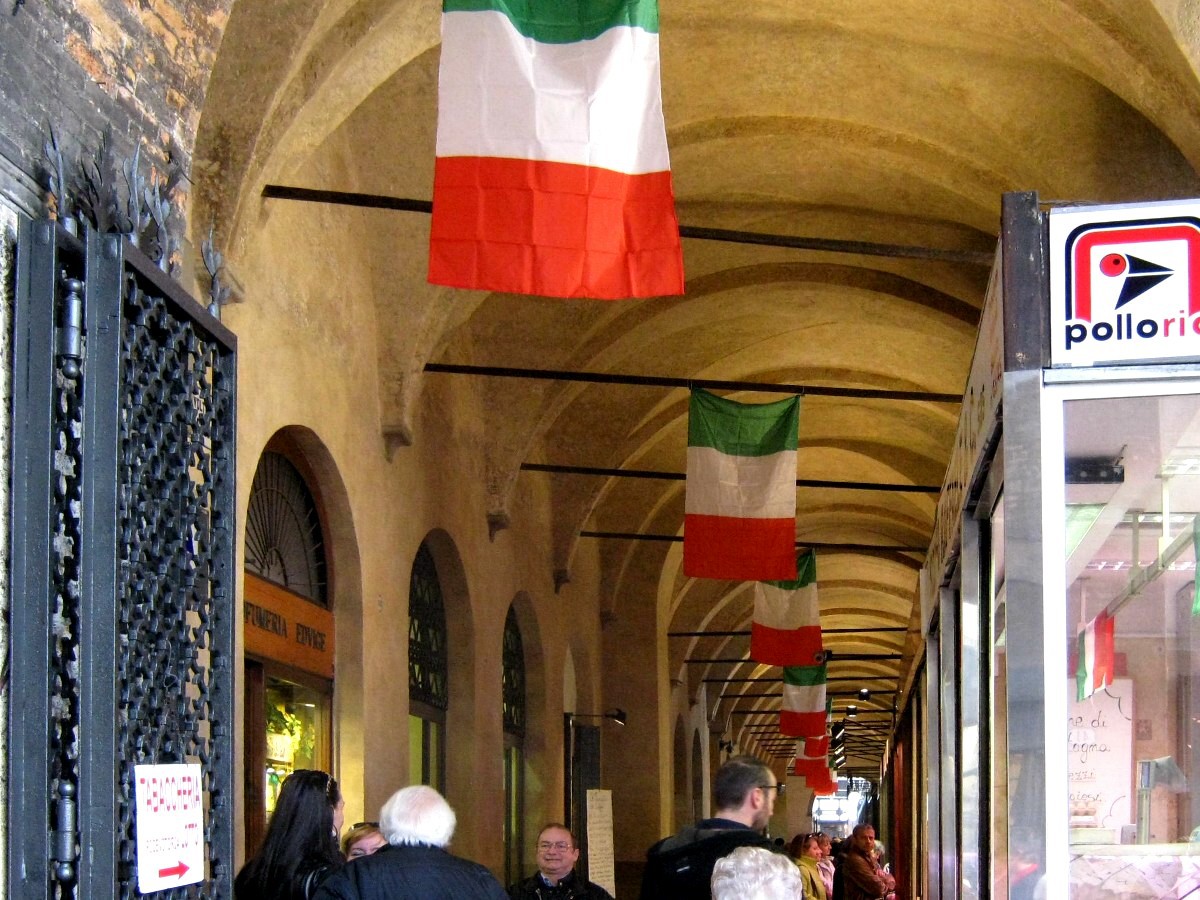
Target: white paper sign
169,824
601,866
1100,756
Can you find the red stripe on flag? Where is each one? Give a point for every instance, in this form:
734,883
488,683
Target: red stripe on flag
809,767
739,549
802,724
817,747
1105,646
779,647
554,229
822,784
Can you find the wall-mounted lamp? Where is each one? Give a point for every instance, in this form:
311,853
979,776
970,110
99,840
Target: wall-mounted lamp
616,714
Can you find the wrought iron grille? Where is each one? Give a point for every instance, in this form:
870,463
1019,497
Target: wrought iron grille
513,683
428,661
123,464
284,542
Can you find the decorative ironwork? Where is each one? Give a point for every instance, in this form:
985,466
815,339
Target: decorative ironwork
284,542
513,677
428,660
123,465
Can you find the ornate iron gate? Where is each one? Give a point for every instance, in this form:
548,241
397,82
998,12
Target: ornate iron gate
122,561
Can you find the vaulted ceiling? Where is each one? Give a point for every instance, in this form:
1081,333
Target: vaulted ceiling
896,124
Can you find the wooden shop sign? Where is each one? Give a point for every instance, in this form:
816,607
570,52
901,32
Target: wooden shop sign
284,627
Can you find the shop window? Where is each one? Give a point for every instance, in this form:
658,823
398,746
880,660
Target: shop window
288,639
1132,494
513,692
428,669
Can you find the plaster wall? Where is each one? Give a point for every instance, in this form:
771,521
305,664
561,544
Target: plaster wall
307,297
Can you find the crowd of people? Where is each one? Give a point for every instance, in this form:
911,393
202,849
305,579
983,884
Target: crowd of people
404,854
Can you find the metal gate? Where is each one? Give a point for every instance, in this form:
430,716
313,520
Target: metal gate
122,561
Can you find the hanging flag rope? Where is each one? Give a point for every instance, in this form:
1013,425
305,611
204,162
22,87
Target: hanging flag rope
740,500
786,630
552,174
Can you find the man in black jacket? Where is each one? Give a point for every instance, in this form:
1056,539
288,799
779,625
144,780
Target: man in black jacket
680,867
556,879
418,824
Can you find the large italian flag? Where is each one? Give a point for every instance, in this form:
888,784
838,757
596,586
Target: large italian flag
740,502
803,713
786,630
552,175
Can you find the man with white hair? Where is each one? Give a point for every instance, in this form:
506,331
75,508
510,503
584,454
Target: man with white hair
754,873
418,824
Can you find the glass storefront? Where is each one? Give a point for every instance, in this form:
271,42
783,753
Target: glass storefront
297,733
1132,683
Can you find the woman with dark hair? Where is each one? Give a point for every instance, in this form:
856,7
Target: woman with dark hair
301,846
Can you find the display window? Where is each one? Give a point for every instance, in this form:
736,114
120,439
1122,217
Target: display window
1131,490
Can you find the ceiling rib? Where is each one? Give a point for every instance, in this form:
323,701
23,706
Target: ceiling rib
827,245
709,384
680,476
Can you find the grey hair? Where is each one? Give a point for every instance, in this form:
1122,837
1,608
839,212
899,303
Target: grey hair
756,873
417,815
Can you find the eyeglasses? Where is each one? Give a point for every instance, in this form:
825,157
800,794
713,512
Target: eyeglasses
554,845
778,787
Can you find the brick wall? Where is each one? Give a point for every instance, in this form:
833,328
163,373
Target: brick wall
141,66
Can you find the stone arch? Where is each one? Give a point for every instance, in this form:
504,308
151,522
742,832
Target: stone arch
305,449
542,744
680,781
698,804
460,635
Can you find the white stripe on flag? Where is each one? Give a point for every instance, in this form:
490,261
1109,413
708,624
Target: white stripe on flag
741,487
786,610
593,103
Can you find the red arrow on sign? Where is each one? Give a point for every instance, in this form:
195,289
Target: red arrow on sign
177,870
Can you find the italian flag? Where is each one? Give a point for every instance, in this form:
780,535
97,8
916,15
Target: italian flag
1095,647
740,501
812,757
803,713
552,174
786,630
823,784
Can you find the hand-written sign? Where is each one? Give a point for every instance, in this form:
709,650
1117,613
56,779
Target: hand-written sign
282,626
1100,756
169,823
601,867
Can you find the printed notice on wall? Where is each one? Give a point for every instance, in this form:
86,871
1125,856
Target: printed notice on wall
601,868
170,826
1100,753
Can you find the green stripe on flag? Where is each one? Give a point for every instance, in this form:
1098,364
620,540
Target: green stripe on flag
804,676
566,21
743,429
806,573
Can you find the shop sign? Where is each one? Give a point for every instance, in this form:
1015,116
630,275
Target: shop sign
1125,283
281,626
169,822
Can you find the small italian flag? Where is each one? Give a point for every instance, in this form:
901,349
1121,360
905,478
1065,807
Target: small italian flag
740,501
803,713
1096,650
812,757
552,174
786,630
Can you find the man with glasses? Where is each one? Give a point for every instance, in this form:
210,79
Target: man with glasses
556,879
680,867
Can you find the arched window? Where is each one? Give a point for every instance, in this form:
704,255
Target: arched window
513,694
283,530
428,682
